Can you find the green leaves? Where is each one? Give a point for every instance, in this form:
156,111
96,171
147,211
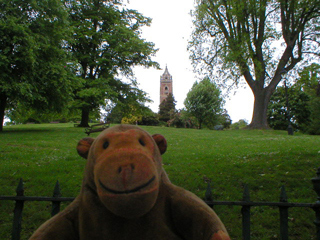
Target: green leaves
299,109
204,102
33,60
50,53
106,43
167,108
255,41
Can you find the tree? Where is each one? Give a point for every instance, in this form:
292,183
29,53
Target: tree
167,108
309,82
204,102
149,118
106,43
225,119
299,112
238,38
314,127
33,63
133,112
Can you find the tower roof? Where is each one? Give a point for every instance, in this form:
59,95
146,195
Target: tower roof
166,76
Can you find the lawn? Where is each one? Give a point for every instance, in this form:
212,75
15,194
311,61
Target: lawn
263,159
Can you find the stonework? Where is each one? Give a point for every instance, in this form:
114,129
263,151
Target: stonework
165,85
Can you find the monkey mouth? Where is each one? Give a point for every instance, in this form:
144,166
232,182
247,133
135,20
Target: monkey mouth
127,191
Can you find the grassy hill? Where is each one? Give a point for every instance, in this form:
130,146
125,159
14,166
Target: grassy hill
263,159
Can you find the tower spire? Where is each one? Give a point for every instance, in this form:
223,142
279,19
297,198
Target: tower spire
165,84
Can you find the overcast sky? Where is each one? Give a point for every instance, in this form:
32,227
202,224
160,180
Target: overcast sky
170,31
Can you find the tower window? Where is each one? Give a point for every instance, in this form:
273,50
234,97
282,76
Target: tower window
166,88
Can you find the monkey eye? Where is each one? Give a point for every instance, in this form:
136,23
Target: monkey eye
142,142
105,145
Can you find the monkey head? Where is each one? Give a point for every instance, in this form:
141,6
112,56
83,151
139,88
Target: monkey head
124,168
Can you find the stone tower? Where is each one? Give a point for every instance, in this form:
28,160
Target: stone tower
165,85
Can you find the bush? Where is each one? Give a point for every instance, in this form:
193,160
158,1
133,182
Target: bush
131,120
239,125
150,120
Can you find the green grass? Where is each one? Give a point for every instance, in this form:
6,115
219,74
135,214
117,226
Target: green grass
265,160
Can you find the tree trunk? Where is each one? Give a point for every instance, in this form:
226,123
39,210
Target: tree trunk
260,109
3,103
84,117
200,122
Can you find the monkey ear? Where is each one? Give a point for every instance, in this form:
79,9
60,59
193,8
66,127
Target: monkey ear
161,142
83,146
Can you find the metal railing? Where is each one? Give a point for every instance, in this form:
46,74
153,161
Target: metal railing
283,206
245,204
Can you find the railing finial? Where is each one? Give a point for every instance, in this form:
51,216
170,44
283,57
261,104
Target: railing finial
208,194
20,188
57,190
283,195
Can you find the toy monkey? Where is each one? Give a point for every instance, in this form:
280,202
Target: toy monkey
126,194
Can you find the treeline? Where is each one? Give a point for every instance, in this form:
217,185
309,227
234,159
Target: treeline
203,109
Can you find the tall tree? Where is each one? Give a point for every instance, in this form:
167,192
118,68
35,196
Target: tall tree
167,108
204,102
33,62
106,43
237,38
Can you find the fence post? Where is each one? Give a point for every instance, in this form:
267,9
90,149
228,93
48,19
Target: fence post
56,204
17,218
284,215
316,187
245,211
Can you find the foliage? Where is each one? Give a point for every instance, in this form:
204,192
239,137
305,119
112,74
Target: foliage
34,64
241,124
24,114
234,40
314,127
188,120
116,114
41,154
167,108
131,120
149,119
204,103
299,111
309,81
133,113
177,120
181,119
129,112
106,43
225,119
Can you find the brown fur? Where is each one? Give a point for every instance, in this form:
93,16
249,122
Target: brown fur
126,194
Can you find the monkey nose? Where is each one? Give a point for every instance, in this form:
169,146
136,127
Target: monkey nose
126,168
126,173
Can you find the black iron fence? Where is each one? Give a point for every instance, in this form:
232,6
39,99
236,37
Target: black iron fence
245,204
